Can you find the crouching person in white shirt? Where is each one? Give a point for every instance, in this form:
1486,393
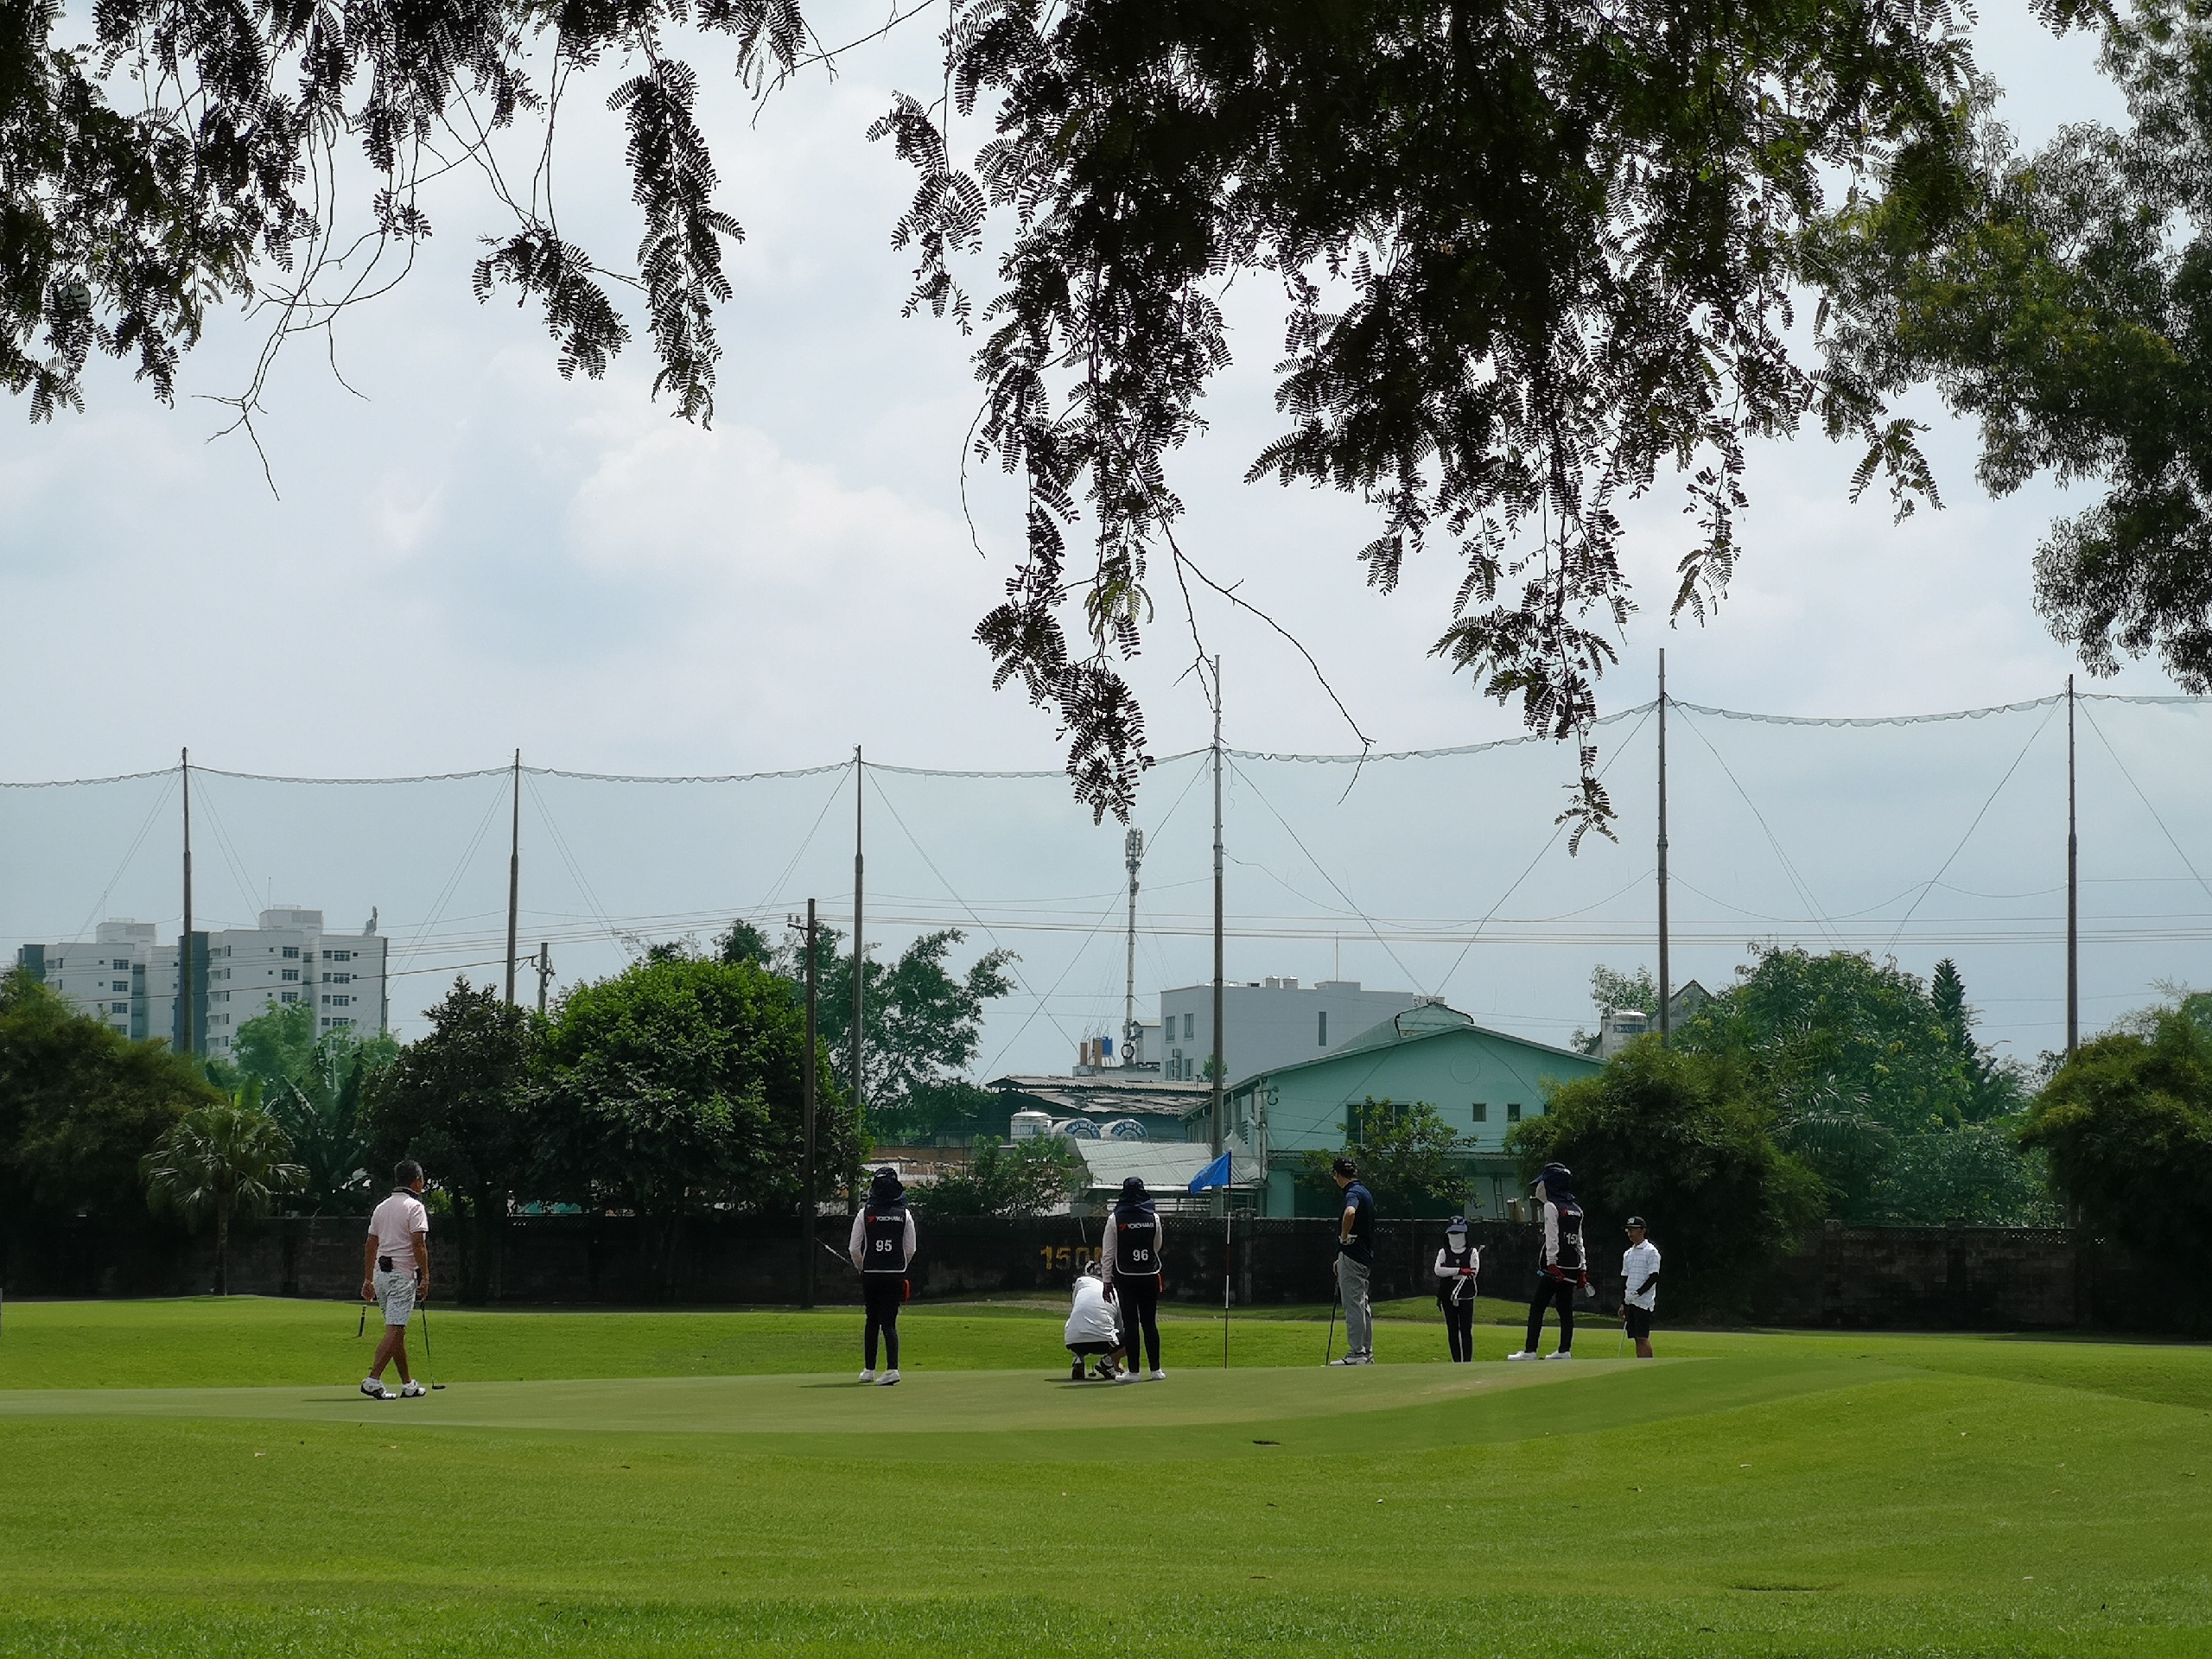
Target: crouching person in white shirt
1640,1268
1094,1331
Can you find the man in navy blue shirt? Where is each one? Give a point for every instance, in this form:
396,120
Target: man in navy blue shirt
1355,1261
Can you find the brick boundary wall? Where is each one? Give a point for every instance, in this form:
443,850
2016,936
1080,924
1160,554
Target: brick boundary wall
1955,1279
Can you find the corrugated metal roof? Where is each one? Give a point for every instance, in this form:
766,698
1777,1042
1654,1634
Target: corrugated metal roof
1110,1097
1163,1167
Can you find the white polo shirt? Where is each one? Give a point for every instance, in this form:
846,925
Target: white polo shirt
394,1225
1638,1264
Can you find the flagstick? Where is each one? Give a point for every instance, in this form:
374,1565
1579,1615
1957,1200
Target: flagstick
1228,1221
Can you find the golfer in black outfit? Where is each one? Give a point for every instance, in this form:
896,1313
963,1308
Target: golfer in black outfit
882,1245
1130,1260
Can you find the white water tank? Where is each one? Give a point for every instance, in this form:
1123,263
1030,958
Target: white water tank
1027,1126
1122,1128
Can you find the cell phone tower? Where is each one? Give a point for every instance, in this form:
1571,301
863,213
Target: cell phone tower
1133,853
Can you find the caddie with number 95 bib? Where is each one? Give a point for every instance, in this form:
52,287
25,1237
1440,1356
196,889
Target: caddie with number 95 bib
882,1245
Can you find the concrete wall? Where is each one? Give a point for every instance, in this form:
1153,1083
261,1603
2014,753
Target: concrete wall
1852,1278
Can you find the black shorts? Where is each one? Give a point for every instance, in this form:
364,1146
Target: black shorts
1638,1321
1089,1350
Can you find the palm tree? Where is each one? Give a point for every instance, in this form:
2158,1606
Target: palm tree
219,1158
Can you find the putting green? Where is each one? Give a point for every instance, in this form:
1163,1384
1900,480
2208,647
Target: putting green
1754,1496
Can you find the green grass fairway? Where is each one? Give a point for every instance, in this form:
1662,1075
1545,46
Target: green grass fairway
198,1479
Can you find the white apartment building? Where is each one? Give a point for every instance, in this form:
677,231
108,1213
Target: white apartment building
1270,1023
127,978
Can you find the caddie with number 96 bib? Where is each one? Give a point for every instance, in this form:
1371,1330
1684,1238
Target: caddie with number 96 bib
1129,1257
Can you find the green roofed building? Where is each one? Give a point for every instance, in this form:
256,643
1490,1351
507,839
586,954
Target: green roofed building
1483,1081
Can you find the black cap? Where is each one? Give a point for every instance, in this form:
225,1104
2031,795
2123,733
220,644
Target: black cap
1636,1222
1133,1187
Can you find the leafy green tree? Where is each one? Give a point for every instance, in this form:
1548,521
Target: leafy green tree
220,1160
1409,1157
1974,1175
312,1084
2127,1126
1858,1062
1530,259
79,1105
1020,1179
459,1101
1687,1141
2067,307
677,1086
923,1026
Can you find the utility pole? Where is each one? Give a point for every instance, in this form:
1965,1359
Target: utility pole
1666,988
185,1033
807,1233
544,974
860,978
2073,892
514,879
1132,852
1217,998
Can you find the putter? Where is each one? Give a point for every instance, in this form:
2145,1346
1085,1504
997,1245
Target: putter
429,1364
1329,1352
363,1325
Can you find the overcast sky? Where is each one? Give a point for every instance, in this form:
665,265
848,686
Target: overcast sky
464,554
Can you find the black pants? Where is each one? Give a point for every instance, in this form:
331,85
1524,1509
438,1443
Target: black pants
1552,1292
882,1292
1460,1326
1139,1300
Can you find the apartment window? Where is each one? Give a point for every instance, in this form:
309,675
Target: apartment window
1513,1112
340,1001
291,973
1189,1027
338,956
1481,1111
118,984
336,1019
291,953
122,965
288,997
118,1008
1321,1029
340,979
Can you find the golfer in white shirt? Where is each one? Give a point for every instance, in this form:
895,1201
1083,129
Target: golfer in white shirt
395,1275
1640,1269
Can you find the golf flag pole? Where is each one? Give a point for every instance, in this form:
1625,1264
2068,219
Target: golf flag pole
1217,1175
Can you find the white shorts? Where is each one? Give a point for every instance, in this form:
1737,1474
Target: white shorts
396,1296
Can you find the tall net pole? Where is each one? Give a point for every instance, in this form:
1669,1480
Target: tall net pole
1132,852
2073,892
514,879
1219,1127
807,1245
860,977
1666,988
184,987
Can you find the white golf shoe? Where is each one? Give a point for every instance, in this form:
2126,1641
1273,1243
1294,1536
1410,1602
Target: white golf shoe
1526,1353
1564,1353
376,1391
1159,1376
412,1391
868,1376
887,1379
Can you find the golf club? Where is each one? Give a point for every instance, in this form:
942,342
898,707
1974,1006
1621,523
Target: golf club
429,1364
361,1327
1329,1352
